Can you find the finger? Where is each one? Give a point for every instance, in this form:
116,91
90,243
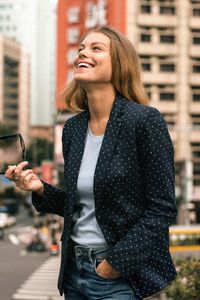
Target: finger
19,168
9,172
28,181
24,174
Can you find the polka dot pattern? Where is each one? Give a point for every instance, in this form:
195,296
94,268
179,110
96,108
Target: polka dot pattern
133,190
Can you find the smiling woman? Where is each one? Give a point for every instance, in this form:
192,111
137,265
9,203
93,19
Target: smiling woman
119,197
93,63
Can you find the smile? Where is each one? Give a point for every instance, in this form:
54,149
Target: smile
84,65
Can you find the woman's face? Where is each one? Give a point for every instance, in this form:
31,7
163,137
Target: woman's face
93,63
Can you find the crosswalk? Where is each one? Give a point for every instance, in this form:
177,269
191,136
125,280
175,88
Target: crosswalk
42,283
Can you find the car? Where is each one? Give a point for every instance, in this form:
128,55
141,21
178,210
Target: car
12,206
3,220
6,220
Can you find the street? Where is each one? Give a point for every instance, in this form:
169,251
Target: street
17,265
31,275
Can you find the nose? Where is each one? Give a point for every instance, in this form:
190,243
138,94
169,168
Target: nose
83,53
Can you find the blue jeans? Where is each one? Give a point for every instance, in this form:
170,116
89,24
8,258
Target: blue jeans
83,283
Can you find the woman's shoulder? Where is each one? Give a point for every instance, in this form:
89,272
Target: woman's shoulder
141,113
73,119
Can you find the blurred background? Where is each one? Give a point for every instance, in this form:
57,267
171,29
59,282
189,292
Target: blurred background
38,42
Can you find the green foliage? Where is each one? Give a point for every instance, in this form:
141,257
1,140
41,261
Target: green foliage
6,130
39,149
187,284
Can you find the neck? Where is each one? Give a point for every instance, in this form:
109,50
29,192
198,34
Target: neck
100,102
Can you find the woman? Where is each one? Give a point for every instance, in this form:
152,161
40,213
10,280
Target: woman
119,175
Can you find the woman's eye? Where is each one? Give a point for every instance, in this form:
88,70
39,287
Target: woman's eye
96,48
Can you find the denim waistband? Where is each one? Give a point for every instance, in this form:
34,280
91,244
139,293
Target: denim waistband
87,251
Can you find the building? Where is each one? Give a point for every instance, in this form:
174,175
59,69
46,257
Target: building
14,101
167,37
166,34
14,89
33,24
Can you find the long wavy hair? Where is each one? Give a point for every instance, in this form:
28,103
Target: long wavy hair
126,74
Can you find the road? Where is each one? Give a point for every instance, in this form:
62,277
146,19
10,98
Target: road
16,264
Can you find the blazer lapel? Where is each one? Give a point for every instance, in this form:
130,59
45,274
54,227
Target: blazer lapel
108,146
76,153
109,143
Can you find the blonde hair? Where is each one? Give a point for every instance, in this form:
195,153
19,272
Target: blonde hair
126,75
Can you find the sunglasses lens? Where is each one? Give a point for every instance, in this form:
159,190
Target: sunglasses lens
12,151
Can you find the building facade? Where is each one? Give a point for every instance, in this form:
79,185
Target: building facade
14,87
166,35
33,24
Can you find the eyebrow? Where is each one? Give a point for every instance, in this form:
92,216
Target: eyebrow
94,43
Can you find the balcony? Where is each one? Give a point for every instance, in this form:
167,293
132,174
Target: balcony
194,23
195,135
158,49
159,78
167,107
194,107
194,78
152,20
195,50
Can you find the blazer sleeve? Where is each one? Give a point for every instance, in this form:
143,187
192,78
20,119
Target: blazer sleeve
54,199
156,154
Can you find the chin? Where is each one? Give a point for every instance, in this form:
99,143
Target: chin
83,79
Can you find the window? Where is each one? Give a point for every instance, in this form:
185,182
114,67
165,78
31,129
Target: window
167,7
167,10
195,64
146,63
11,105
148,90
195,6
73,35
145,35
146,67
195,146
167,64
168,39
195,120
166,93
195,36
196,12
195,92
71,55
167,36
164,67
170,119
146,9
145,6
145,38
167,96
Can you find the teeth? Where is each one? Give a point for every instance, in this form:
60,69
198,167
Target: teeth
84,65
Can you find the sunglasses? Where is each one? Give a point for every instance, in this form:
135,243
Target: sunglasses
13,147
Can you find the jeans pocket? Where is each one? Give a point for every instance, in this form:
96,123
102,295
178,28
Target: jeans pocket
96,262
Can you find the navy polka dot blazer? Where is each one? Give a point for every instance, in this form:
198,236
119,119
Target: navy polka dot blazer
133,191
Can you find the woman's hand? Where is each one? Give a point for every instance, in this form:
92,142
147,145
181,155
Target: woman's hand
105,270
26,180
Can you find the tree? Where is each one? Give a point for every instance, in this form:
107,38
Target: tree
186,286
